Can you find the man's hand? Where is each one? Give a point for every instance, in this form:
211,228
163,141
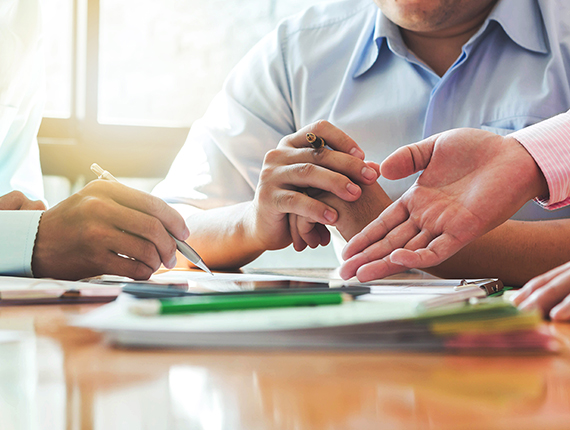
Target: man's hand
107,228
295,166
473,181
352,216
550,293
17,201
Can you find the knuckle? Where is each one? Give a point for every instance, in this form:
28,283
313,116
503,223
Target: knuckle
154,205
272,155
90,206
285,201
94,187
266,173
18,196
153,227
305,170
140,271
92,232
37,205
148,252
320,125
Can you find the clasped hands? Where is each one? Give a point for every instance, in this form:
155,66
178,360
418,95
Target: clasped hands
302,189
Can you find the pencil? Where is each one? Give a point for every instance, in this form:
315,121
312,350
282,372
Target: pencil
315,141
149,307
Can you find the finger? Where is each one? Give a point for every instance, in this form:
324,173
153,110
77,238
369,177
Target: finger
333,136
116,265
12,201
380,252
396,214
292,202
408,159
308,232
536,283
358,170
549,295
33,205
437,251
308,175
135,247
142,202
561,312
142,225
378,269
324,233
375,166
298,243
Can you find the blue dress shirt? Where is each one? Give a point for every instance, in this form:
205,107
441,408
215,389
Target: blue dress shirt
347,63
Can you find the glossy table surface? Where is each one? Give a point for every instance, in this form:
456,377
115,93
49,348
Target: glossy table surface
60,377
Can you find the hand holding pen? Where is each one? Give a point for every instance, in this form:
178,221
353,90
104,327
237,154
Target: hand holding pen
295,167
185,249
107,228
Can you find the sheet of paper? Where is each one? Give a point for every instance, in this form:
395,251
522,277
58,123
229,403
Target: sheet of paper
116,316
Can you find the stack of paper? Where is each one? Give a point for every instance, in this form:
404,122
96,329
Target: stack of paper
386,322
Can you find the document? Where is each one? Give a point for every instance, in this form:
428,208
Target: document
389,322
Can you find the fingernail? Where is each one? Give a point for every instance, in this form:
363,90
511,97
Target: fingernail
172,263
527,305
186,233
560,314
369,173
329,216
352,189
513,297
355,152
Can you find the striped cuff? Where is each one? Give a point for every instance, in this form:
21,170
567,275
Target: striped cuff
548,142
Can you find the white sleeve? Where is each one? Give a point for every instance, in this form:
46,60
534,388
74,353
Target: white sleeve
222,157
18,231
22,96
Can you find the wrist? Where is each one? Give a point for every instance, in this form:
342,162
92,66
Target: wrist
531,176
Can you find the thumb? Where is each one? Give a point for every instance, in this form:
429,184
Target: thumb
408,159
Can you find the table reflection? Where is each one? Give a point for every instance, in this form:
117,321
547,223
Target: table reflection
57,377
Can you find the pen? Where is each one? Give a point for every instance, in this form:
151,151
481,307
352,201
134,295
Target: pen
185,249
315,141
149,307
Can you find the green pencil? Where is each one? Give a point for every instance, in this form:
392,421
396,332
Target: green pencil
232,302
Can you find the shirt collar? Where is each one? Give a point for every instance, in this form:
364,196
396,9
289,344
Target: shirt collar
521,20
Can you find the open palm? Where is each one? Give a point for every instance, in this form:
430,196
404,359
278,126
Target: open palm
473,181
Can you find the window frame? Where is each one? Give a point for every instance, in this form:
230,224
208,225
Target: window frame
68,146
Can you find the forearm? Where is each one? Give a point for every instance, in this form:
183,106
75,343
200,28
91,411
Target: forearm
223,236
514,252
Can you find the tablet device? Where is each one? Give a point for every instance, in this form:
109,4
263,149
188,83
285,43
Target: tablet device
210,287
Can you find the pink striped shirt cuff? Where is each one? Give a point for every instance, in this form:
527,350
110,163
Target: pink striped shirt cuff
548,142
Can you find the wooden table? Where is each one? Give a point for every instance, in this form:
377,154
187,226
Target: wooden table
67,378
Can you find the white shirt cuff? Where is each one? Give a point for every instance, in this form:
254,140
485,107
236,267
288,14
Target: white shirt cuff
18,230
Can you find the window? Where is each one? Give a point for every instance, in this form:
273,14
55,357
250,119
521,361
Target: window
126,78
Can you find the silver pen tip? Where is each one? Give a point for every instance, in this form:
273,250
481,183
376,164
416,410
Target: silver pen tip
202,266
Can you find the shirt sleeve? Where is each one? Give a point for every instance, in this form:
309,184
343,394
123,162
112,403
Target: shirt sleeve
221,159
18,230
548,142
22,97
